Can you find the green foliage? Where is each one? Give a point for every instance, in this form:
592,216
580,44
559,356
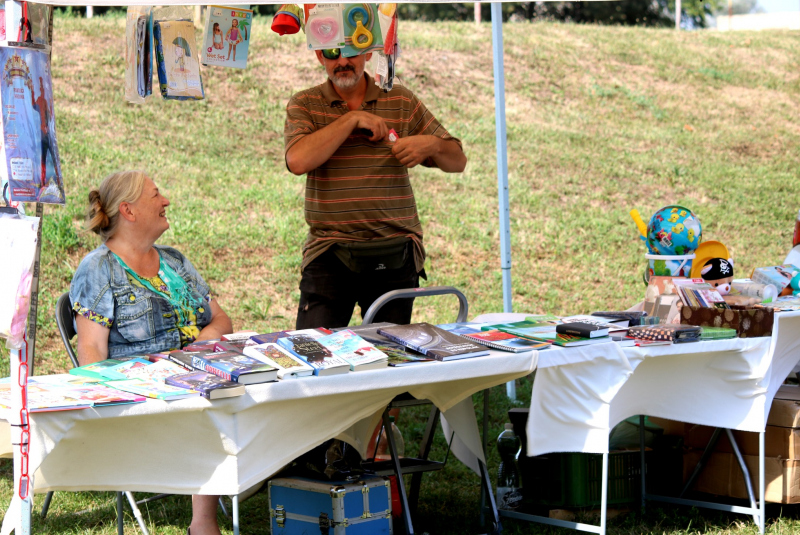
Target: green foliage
59,232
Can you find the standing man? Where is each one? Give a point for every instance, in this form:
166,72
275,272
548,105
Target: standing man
365,237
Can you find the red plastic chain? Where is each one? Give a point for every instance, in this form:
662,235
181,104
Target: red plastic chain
24,432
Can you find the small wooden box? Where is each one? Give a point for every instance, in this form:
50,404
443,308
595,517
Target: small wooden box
749,322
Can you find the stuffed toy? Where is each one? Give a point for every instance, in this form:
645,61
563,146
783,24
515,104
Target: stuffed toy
719,273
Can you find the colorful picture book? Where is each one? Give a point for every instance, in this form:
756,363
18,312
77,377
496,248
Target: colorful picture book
152,389
398,355
494,338
698,293
360,354
208,385
289,366
236,367
158,371
433,342
97,369
314,354
226,38
30,157
177,60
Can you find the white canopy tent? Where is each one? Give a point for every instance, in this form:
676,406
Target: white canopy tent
13,8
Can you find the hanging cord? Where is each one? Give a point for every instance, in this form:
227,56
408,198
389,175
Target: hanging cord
25,34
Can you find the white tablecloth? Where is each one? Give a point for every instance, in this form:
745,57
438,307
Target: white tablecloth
195,446
579,394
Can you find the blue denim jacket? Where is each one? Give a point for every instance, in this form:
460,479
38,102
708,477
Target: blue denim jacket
140,321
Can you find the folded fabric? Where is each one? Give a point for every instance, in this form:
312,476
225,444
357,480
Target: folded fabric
673,333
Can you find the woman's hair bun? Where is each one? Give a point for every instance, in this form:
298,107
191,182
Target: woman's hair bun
98,219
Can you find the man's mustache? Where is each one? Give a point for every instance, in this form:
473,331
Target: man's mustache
343,69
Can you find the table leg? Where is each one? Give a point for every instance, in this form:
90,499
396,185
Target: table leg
137,513
485,456
235,511
761,485
486,488
120,515
604,495
424,451
702,462
401,485
745,472
642,464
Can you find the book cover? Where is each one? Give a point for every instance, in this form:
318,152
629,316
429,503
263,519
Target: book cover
314,354
124,369
433,342
236,346
289,366
29,148
673,333
268,338
398,355
177,60
360,354
42,399
185,358
158,371
208,385
604,323
236,367
94,369
102,395
151,389
582,329
548,333
319,332
240,336
204,345
226,38
497,339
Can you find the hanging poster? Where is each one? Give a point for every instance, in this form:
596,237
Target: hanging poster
30,153
227,36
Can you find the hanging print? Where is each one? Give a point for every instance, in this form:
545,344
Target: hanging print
30,151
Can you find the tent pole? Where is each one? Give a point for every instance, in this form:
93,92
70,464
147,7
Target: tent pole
502,162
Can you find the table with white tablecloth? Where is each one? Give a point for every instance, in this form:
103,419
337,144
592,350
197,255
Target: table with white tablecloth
580,394
225,446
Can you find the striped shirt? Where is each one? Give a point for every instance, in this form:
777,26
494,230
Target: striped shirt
362,192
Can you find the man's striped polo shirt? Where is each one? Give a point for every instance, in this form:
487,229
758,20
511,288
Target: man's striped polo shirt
362,192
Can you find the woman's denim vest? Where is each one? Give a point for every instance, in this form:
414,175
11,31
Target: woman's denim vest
143,321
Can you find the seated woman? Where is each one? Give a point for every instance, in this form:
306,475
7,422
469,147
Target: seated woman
131,296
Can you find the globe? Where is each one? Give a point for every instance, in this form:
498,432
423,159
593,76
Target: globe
673,230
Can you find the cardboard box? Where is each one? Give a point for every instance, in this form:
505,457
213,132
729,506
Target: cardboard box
783,442
723,476
785,410
749,322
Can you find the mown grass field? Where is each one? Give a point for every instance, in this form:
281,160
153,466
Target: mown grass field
600,121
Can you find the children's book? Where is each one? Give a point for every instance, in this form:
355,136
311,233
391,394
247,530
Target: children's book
289,366
152,389
268,338
237,346
177,60
315,355
208,385
204,345
30,158
158,371
102,395
433,342
96,369
360,354
238,336
494,339
226,38
125,368
236,367
185,358
317,333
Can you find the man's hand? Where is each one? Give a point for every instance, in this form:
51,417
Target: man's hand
413,150
373,123
446,153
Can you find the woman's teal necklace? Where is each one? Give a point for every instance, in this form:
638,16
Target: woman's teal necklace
176,292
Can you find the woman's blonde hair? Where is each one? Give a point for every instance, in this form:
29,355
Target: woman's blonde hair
117,188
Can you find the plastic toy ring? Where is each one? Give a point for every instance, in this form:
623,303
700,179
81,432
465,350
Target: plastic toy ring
351,15
360,32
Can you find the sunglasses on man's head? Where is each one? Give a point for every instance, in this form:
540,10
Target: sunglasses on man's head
331,53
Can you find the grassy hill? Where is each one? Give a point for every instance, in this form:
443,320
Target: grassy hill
600,120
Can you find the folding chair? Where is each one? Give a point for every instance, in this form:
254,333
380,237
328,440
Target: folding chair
417,466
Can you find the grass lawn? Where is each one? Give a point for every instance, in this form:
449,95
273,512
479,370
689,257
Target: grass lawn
600,121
